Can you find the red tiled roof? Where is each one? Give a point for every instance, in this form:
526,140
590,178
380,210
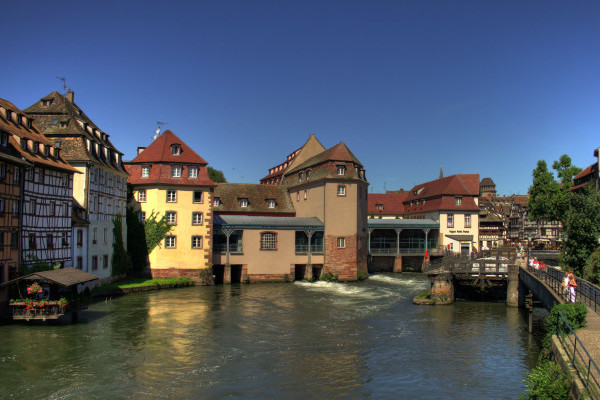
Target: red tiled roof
392,203
160,151
583,173
461,185
161,160
443,203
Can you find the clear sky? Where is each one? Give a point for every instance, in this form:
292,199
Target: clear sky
485,87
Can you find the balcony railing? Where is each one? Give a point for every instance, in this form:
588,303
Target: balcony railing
314,248
233,248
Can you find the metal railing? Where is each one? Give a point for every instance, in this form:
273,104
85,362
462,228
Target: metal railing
314,248
233,248
583,363
462,265
586,292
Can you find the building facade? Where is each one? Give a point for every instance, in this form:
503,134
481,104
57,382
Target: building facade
169,179
101,185
47,191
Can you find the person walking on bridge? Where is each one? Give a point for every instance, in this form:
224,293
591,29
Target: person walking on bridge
572,286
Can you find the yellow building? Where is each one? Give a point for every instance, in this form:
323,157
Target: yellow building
169,178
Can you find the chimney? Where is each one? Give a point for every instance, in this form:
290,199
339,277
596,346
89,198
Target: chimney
71,96
140,149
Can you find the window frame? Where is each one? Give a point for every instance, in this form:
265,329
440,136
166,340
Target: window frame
145,171
341,190
176,171
171,217
170,242
195,238
450,220
196,214
268,241
193,172
467,220
341,170
201,194
171,196
341,242
142,195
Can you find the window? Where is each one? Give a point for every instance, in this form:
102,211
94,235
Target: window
305,194
105,261
341,170
297,196
176,171
4,138
467,220
14,240
308,174
193,172
79,262
341,242
196,242
15,208
268,241
79,237
170,242
171,217
341,190
198,196
450,220
379,207
32,207
2,171
32,241
94,263
95,235
16,175
52,209
458,201
197,218
216,202
64,240
105,235
243,202
49,241
175,149
2,206
171,196
66,209
145,171
142,216
300,176
142,195
271,203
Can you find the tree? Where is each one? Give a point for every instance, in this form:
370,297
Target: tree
582,229
136,242
565,171
156,230
121,261
543,194
216,176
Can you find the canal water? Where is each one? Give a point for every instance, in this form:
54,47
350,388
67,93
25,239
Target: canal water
294,341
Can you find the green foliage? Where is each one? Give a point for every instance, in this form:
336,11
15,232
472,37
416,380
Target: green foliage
286,278
361,275
215,175
575,314
591,271
206,277
39,266
547,382
136,282
582,228
136,243
543,194
121,261
425,294
155,230
329,277
565,171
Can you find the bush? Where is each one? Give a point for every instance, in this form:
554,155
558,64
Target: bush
329,277
575,314
547,381
361,275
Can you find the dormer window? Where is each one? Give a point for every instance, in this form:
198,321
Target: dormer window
46,151
458,201
216,202
176,171
271,203
193,172
341,170
176,150
379,207
46,102
4,140
145,171
24,144
243,202
63,124
29,124
36,147
307,174
300,177
8,115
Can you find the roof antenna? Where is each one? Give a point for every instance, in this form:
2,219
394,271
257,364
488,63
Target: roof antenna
64,81
157,131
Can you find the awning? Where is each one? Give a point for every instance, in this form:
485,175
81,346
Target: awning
461,238
64,277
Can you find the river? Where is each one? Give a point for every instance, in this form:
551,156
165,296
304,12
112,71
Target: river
277,341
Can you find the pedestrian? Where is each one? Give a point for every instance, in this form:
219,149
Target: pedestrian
572,286
565,285
536,264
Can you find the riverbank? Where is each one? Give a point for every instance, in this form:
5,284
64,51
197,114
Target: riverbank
140,285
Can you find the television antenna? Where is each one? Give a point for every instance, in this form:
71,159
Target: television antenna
157,131
64,81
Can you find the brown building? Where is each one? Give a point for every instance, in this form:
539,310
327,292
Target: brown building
487,188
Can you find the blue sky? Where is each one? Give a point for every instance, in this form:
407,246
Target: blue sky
486,87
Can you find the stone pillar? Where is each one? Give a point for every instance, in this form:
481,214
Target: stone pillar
227,274
308,273
443,287
398,264
512,289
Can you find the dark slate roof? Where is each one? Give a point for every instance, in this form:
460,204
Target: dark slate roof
18,131
263,222
78,124
230,194
487,182
64,277
404,223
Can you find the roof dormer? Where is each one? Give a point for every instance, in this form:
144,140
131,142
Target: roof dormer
176,149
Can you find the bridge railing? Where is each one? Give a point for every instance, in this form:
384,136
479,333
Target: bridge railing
586,292
586,367
461,265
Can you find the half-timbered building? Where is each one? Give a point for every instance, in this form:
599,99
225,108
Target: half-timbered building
101,188
47,191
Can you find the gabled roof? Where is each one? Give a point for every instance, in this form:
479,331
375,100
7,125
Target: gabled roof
453,185
63,276
22,131
230,194
54,110
311,147
160,151
585,172
392,203
339,152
